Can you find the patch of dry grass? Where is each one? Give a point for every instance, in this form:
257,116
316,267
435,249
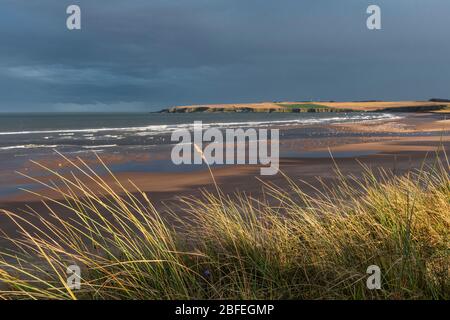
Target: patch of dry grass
290,245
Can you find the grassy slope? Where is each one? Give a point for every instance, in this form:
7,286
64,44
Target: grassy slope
355,106
301,247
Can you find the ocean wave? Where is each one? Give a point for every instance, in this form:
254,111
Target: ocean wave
28,146
158,129
112,136
385,116
88,132
100,146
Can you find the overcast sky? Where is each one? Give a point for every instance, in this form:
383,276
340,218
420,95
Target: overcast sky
148,54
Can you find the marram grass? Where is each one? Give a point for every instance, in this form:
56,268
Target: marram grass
290,245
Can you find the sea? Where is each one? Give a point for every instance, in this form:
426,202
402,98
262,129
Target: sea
24,134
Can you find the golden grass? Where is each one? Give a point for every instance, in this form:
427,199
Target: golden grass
288,245
379,105
352,105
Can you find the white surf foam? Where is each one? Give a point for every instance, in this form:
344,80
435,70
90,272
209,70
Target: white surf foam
155,129
100,146
28,146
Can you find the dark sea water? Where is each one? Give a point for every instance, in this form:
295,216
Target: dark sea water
77,132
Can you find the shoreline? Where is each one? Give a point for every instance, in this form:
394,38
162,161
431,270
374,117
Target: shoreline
299,158
310,166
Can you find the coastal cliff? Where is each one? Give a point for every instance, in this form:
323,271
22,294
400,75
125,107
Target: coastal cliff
300,107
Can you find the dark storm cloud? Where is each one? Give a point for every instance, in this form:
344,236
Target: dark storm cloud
144,55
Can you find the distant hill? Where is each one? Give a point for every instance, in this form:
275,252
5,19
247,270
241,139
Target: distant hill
353,106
